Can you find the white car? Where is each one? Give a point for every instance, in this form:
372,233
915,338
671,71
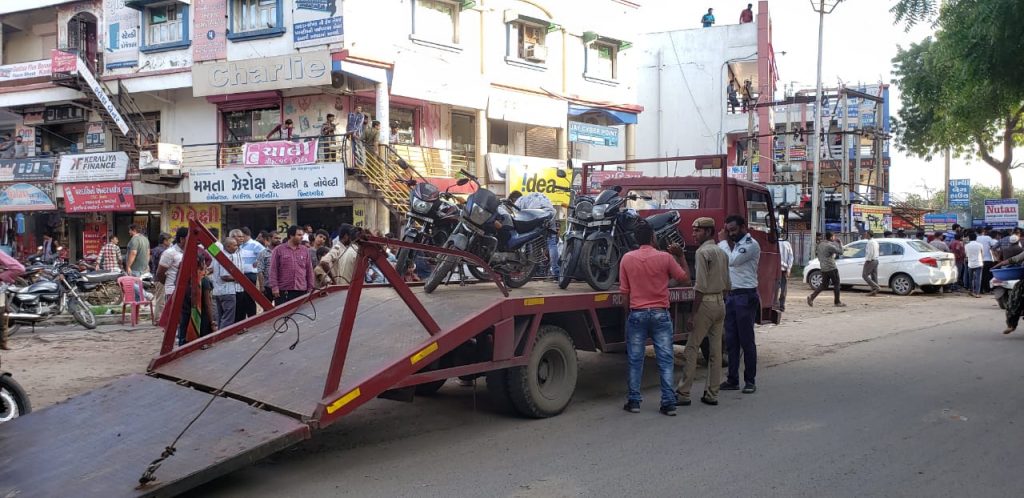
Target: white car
903,264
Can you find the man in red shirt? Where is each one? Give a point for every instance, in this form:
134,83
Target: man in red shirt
748,14
291,271
644,275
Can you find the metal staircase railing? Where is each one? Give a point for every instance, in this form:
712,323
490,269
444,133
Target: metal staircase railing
386,177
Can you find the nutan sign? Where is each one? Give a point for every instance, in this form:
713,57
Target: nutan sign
254,75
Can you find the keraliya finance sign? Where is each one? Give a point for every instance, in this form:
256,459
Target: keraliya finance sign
280,153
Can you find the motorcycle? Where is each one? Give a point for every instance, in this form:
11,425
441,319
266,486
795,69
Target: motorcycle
512,244
41,300
13,399
578,227
432,217
614,235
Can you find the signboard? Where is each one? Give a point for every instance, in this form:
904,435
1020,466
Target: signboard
596,178
122,48
741,171
23,170
280,153
960,192
92,238
267,73
607,136
314,181
1002,214
26,197
875,218
96,167
207,214
95,136
99,197
63,62
284,218
531,174
317,22
934,222
210,25
101,95
25,70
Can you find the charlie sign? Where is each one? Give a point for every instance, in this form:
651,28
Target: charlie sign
99,167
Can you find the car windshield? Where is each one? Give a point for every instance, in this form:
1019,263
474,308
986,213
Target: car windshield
921,246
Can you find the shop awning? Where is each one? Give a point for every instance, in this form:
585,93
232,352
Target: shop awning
612,116
528,108
157,82
374,74
40,96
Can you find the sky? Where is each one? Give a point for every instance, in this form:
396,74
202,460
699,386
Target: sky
860,41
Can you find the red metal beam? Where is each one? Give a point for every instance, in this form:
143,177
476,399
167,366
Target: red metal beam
204,237
172,312
348,319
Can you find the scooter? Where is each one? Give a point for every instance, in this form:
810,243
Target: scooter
1001,290
13,399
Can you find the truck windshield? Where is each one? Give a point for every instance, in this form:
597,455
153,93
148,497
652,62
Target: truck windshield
665,199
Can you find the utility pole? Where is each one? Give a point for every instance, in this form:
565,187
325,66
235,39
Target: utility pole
845,215
751,141
945,203
822,7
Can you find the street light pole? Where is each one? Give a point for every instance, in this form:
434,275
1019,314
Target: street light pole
822,7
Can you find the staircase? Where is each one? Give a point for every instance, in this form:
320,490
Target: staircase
382,176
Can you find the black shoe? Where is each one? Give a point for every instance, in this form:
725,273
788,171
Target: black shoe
632,406
708,401
749,389
682,400
729,387
668,410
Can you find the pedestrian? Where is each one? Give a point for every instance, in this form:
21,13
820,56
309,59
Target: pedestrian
138,251
159,299
870,271
320,277
939,242
10,268
204,309
225,288
291,272
283,132
786,265
393,134
734,101
747,15
20,148
1015,301
748,95
7,147
329,128
372,135
975,252
320,239
644,275
708,19
1012,248
742,305
827,252
263,265
170,262
340,261
537,200
956,246
110,255
245,305
707,317
49,251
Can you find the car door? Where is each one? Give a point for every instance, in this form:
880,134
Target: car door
890,257
851,263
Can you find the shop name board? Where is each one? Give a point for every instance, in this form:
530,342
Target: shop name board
939,221
593,134
1002,213
280,153
99,197
25,70
31,169
100,166
533,174
960,192
315,181
207,214
269,73
26,197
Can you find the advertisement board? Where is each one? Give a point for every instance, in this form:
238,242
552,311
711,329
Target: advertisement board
531,174
878,219
314,181
92,238
29,169
939,222
123,36
1002,214
960,192
317,22
280,152
27,197
607,136
99,197
210,24
207,214
99,166
25,70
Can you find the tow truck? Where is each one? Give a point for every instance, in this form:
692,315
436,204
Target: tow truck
225,400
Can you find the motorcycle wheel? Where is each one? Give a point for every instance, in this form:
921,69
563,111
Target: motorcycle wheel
404,257
600,263
568,269
445,265
520,278
81,312
479,273
13,400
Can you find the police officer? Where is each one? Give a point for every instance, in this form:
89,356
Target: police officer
707,317
743,304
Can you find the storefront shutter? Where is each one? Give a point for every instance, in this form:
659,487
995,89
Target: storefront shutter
541,142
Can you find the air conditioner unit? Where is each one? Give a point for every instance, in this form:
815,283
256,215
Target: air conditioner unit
535,53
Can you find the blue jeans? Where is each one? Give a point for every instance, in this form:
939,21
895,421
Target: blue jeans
975,279
741,308
657,325
553,255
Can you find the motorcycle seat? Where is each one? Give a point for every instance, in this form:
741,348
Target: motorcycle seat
101,276
527,220
661,220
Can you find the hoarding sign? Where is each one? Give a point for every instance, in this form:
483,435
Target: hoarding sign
607,136
280,153
267,73
532,174
207,214
960,192
314,181
99,197
99,166
25,70
878,219
30,169
1002,213
210,24
26,197
934,222
317,22
122,35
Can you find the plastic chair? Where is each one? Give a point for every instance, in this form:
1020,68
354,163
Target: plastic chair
130,286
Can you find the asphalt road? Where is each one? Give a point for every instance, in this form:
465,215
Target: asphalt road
931,410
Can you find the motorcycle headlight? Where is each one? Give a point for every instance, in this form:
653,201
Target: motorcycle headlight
479,215
421,206
584,210
599,210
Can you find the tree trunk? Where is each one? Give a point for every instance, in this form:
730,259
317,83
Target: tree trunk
1005,183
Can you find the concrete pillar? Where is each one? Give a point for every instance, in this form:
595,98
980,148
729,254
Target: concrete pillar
562,135
482,143
383,112
165,217
630,145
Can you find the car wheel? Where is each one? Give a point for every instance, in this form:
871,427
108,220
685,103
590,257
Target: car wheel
814,279
901,284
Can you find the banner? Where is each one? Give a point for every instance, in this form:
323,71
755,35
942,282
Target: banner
209,19
960,192
23,170
100,166
317,22
1002,214
122,35
878,219
63,62
99,197
934,222
207,214
25,70
532,174
280,153
315,181
92,238
27,197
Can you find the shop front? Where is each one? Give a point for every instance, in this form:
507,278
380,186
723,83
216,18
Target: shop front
97,200
27,204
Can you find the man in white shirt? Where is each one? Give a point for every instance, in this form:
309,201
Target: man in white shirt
224,285
975,263
988,261
786,263
870,272
742,305
340,261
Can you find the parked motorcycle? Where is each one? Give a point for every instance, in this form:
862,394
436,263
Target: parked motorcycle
433,216
614,235
512,245
578,227
41,300
13,399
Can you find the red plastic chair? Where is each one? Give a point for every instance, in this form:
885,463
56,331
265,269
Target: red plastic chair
129,286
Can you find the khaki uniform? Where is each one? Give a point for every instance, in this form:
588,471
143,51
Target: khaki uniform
712,279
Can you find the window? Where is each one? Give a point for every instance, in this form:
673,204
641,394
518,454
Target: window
890,249
602,61
920,246
165,27
758,209
240,126
436,21
855,250
526,42
664,199
255,19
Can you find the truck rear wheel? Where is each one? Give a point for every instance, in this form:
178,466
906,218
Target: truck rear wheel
545,385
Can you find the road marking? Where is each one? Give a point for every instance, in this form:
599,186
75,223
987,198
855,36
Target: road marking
533,301
344,400
423,353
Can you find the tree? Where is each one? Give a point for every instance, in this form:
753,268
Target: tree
954,96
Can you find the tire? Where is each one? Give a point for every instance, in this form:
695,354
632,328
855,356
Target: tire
523,277
901,284
544,387
814,279
478,273
572,258
600,275
404,256
441,271
13,400
81,312
13,328
497,391
930,289
430,388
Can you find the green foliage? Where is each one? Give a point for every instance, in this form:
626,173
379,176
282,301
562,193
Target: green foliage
912,12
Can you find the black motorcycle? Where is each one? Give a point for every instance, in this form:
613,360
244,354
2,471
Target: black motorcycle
433,216
513,244
13,400
45,298
614,234
578,227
